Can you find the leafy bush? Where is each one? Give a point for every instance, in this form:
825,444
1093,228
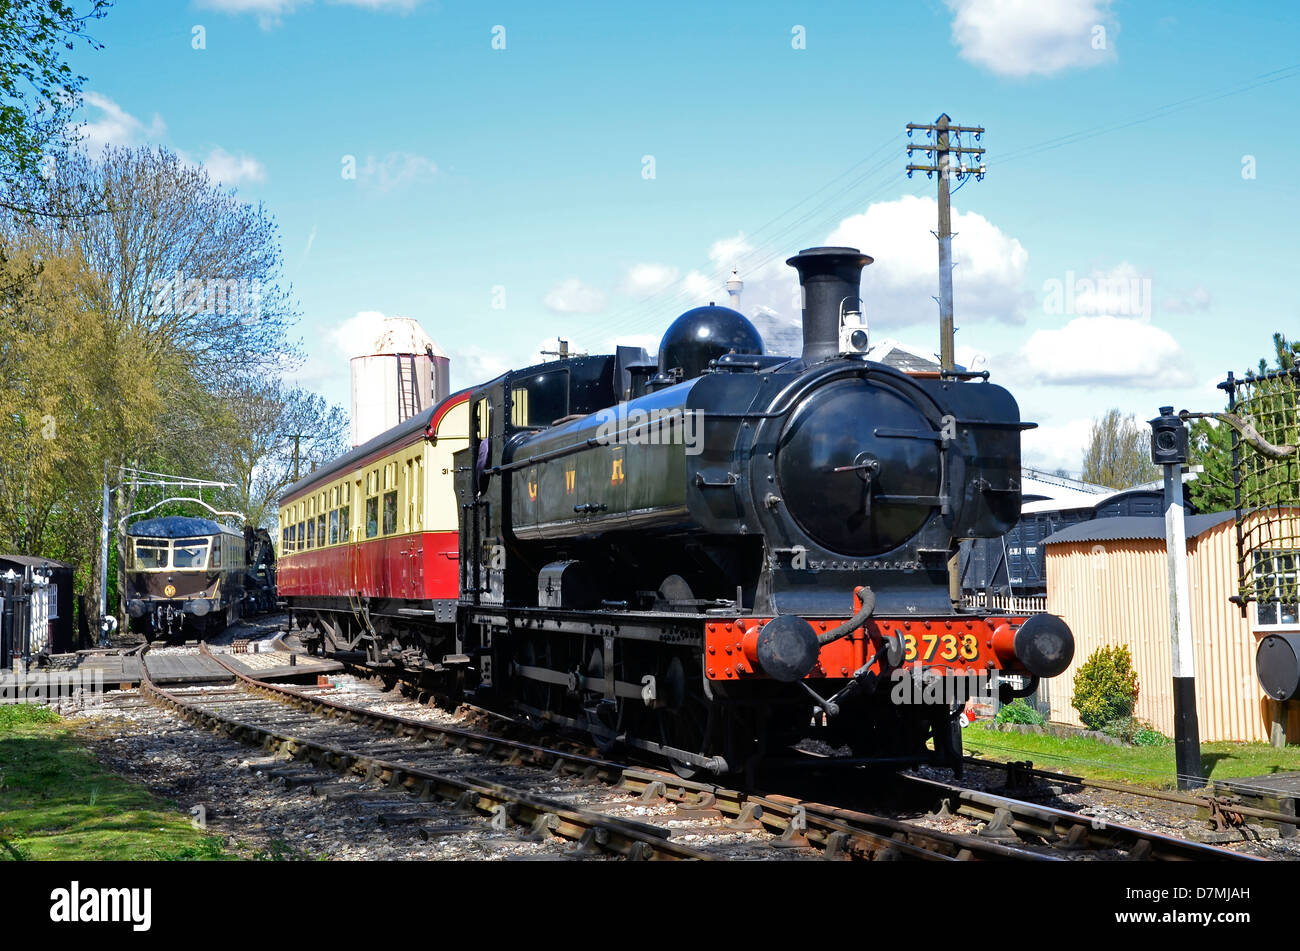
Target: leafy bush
1106,687
1135,731
1017,711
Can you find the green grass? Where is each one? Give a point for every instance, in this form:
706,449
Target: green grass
58,802
1142,765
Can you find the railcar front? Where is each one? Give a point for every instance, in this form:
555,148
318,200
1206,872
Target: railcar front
183,576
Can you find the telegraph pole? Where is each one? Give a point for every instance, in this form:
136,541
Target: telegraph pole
945,146
945,142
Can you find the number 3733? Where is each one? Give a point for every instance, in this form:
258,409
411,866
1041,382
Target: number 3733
945,646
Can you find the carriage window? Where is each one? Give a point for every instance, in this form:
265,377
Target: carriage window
151,552
372,517
345,524
311,533
320,529
216,553
390,512
540,400
334,526
190,553
302,537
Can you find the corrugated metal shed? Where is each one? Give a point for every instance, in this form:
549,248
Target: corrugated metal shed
1133,528
1108,580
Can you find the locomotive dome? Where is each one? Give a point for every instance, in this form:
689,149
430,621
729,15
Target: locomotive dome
704,334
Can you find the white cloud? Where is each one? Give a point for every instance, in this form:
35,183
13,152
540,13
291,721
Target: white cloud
357,335
1195,300
1106,350
644,279
231,170
571,296
113,125
396,170
1022,38
270,12
1056,446
988,273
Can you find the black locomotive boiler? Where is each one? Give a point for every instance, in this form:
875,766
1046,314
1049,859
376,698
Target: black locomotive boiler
726,552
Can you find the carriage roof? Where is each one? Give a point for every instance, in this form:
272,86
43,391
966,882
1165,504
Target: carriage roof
179,526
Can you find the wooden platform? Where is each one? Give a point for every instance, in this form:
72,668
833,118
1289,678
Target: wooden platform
97,672
279,664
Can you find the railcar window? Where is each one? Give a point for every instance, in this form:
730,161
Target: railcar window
390,512
311,533
151,553
190,553
216,553
334,527
372,517
302,537
320,529
345,524
540,400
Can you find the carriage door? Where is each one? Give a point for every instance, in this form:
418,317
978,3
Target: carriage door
414,549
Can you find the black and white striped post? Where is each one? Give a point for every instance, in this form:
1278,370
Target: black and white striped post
1169,449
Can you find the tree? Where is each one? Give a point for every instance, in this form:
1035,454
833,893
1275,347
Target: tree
268,436
1118,452
56,375
38,90
176,291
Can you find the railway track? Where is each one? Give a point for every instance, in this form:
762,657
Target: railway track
1015,819
1221,812
413,757
425,766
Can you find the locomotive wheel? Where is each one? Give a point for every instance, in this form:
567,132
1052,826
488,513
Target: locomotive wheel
534,693
602,715
683,721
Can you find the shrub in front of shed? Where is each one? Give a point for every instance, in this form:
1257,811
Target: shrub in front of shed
1106,687
1017,711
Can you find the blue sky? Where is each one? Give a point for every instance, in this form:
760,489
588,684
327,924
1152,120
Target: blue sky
520,173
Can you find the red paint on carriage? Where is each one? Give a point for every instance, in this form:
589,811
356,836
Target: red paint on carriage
419,566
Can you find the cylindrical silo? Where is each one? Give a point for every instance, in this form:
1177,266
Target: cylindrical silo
402,374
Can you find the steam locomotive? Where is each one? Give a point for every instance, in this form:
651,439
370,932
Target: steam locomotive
713,556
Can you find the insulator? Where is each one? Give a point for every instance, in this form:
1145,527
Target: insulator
909,173
929,174
909,133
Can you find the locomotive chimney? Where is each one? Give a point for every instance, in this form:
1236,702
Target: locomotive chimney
828,276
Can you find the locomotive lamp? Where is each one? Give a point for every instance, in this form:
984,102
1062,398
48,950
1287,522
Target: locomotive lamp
1169,449
853,326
